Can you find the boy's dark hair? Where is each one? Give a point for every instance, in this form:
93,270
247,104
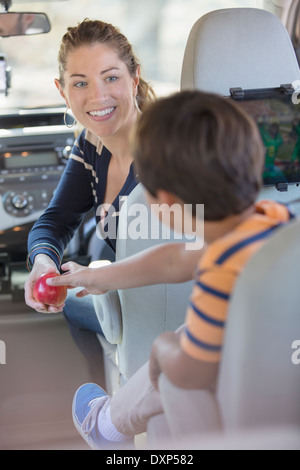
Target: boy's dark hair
204,149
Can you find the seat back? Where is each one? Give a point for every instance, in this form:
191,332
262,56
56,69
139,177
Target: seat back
258,387
238,47
241,47
132,318
259,383
150,310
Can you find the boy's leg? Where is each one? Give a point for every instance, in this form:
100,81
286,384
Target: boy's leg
126,413
135,403
188,411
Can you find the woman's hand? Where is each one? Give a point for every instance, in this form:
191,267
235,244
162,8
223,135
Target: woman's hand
42,265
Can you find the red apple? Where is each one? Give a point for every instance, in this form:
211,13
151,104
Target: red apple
49,295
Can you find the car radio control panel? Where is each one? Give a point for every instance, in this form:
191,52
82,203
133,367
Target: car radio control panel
35,146
34,149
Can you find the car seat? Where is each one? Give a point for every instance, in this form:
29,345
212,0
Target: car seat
241,47
132,318
259,379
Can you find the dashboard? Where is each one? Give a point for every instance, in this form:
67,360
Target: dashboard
34,149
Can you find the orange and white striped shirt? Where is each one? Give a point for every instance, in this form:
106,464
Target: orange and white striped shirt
218,270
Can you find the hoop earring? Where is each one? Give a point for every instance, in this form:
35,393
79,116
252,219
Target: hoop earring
69,126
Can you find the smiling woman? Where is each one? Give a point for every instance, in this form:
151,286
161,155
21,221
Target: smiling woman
99,89
99,78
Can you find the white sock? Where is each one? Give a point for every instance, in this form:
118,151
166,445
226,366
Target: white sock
106,427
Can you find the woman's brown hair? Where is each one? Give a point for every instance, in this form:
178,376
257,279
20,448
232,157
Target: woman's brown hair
93,31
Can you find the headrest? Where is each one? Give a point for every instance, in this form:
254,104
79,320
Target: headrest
238,47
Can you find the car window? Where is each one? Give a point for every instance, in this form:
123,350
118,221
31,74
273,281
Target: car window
158,31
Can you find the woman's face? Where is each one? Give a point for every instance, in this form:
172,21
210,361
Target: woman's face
99,90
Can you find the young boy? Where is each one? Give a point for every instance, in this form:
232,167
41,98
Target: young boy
190,148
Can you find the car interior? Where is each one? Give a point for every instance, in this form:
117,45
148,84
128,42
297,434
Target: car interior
247,51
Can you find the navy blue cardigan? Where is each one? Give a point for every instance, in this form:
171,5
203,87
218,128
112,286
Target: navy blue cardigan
82,187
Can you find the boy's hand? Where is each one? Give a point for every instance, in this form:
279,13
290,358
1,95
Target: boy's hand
79,276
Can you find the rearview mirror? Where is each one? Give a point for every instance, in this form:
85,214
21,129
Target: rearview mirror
18,24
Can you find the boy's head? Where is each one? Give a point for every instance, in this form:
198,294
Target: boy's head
202,148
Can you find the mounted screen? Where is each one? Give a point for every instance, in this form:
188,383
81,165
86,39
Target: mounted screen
278,118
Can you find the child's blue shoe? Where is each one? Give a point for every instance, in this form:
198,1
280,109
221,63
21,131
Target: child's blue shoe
87,403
